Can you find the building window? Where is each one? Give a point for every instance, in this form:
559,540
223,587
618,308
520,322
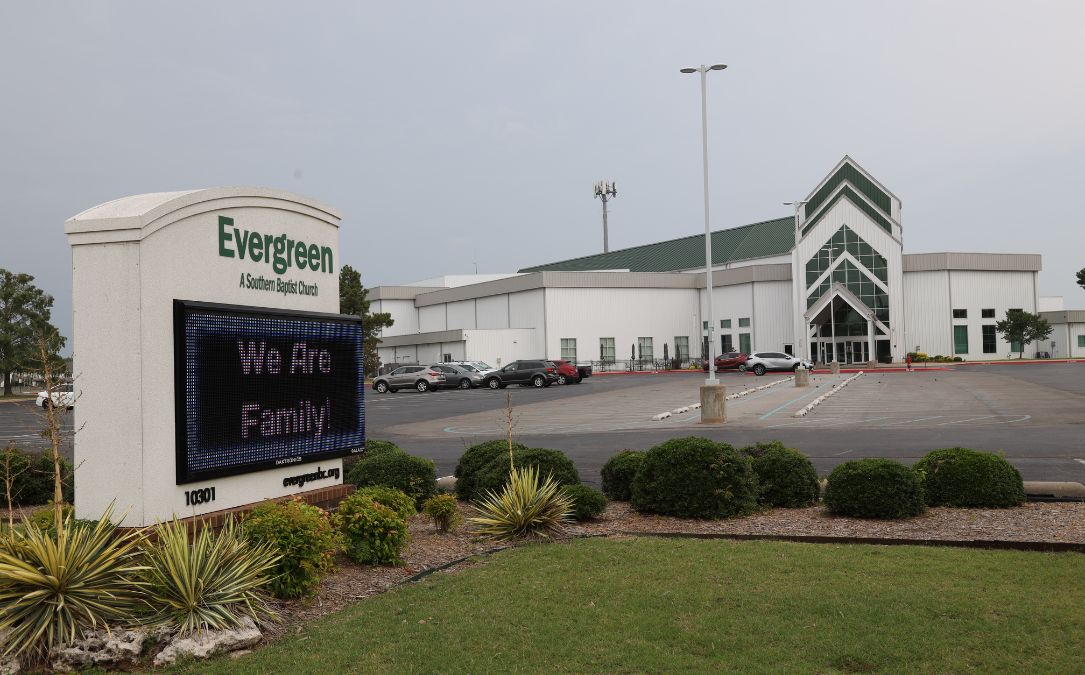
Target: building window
960,314
789,350
726,343
744,323
987,313
960,339
644,348
1017,347
681,347
989,339
1081,340
568,349
704,325
725,323
606,350
743,341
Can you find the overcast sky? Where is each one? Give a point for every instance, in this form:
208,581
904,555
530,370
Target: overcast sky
445,131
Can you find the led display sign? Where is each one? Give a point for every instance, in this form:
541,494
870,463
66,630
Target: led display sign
259,388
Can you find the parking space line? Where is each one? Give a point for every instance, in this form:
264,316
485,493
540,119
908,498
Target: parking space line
968,419
918,419
794,400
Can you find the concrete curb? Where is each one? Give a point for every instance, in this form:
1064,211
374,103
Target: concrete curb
661,416
747,392
817,401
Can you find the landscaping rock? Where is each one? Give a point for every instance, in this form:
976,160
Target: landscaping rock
9,665
99,648
204,644
446,483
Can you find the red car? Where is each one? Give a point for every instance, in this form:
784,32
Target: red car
567,372
728,361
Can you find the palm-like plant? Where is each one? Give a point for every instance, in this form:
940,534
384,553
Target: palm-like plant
210,582
523,507
52,587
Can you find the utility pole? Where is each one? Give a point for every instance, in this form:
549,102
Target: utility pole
605,190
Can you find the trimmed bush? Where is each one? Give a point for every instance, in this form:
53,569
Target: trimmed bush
414,476
373,447
392,498
588,502
618,474
475,459
444,512
695,478
963,477
785,478
303,537
761,447
373,533
874,488
549,463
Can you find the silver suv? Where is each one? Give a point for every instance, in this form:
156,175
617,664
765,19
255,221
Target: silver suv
760,362
422,378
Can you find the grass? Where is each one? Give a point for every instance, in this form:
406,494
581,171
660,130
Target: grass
640,605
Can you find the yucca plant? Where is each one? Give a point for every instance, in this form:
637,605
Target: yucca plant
54,586
207,581
523,507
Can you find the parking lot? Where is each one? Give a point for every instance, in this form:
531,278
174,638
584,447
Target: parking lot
1035,414
21,425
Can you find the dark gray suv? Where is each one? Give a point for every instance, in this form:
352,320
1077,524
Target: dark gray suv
527,373
459,376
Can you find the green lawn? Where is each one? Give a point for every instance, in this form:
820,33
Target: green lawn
649,604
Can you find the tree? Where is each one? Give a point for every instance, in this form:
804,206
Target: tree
353,299
1023,328
1081,277
24,318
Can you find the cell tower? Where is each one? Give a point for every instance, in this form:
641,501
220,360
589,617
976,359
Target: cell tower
605,190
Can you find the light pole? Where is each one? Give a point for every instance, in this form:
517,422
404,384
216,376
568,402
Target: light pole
703,70
605,190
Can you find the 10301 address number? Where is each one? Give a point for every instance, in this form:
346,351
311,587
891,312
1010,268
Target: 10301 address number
200,496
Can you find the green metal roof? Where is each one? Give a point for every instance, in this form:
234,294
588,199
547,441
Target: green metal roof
759,240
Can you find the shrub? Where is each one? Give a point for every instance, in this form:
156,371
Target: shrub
759,448
874,488
588,503
695,478
45,519
414,476
786,478
209,581
444,512
52,587
963,477
392,498
552,463
475,459
302,536
374,533
33,483
526,505
373,447
618,474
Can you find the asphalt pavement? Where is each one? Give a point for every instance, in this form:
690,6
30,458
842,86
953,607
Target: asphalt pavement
1033,414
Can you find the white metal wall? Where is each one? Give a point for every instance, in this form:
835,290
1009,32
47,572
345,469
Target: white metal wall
431,318
974,290
1066,336
404,315
625,314
492,311
772,315
927,313
526,309
461,314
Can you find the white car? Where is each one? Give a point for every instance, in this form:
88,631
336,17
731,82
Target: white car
762,362
63,396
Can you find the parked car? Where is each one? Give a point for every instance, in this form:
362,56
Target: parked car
762,362
567,372
728,361
422,378
60,396
581,371
481,366
461,376
534,373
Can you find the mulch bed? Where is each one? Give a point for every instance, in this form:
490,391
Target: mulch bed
1033,522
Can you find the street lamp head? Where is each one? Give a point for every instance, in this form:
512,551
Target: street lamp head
688,70
718,66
